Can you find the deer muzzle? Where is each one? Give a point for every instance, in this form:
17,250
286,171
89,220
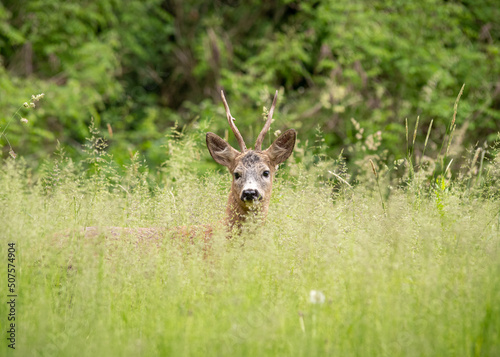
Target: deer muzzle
250,195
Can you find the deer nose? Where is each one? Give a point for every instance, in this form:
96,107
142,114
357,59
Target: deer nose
250,195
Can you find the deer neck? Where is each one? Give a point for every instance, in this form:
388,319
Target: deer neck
237,212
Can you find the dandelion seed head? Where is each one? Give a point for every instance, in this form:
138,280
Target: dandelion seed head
316,297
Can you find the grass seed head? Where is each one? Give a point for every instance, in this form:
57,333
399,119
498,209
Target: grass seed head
373,168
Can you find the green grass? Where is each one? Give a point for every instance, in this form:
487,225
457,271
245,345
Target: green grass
421,278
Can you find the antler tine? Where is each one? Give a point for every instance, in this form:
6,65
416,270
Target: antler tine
230,119
265,129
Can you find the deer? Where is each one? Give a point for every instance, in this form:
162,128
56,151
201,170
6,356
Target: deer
252,172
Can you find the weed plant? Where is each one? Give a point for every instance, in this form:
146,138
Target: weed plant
334,271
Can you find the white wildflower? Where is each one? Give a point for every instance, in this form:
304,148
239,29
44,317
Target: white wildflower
316,297
277,133
24,120
37,97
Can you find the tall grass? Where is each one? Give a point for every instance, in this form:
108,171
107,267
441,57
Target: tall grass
417,275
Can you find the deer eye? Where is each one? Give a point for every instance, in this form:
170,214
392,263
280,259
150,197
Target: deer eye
237,175
266,173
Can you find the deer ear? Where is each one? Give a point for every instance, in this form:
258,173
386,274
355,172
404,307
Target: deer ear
282,147
221,151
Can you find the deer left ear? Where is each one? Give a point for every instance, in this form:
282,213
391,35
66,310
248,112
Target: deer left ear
282,147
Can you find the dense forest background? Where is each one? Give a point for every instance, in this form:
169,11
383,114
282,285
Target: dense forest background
349,73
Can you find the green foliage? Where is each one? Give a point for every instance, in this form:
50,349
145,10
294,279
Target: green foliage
400,231
142,66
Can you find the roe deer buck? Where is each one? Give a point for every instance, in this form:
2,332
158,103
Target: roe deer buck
252,171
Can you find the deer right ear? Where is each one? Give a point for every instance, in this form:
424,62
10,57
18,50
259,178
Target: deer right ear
221,151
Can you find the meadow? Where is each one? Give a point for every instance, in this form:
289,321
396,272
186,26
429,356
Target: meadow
383,233
383,264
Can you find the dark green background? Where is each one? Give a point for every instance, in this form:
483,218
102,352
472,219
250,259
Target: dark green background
142,66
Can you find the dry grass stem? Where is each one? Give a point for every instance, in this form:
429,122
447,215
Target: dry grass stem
340,178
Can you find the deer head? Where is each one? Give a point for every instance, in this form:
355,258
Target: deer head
252,170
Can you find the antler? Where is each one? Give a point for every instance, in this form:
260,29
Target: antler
265,129
230,119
